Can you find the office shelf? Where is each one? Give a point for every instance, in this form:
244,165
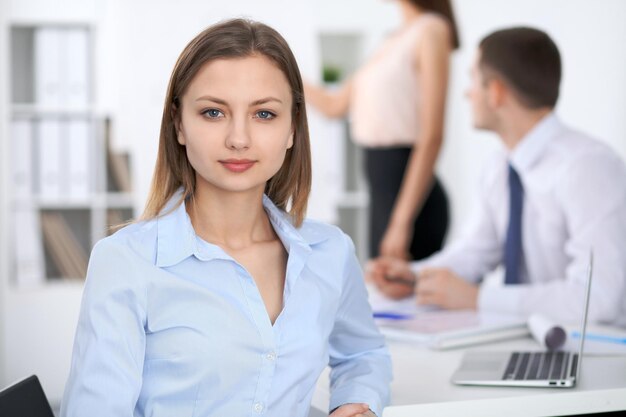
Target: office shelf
67,186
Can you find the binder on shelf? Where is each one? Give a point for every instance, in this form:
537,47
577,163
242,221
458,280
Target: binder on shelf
78,155
75,43
22,158
119,169
22,67
48,66
61,67
29,256
118,165
49,158
65,250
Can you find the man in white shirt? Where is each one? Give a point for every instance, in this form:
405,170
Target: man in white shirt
545,200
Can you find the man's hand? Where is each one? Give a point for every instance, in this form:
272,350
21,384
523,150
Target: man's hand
393,277
443,288
353,410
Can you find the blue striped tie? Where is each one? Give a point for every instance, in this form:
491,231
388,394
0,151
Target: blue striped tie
513,244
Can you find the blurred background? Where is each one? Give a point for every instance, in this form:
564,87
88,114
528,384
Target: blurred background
82,84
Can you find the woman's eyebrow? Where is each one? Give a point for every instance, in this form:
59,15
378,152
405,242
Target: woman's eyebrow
254,103
265,100
213,99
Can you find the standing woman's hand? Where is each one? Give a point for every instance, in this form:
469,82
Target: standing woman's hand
329,103
395,242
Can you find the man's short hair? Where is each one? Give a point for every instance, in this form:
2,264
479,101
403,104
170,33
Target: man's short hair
527,60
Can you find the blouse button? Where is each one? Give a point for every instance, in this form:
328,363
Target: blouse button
258,407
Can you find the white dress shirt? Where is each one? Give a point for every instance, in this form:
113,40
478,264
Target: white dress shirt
574,200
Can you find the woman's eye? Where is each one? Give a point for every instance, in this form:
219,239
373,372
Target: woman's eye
264,114
212,113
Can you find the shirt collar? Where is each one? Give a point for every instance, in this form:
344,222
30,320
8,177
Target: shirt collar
177,239
285,229
532,145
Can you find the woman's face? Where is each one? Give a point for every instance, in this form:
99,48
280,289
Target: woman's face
235,123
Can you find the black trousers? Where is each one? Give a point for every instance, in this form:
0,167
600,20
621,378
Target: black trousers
384,169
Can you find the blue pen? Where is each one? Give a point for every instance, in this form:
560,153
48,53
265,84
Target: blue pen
600,338
391,316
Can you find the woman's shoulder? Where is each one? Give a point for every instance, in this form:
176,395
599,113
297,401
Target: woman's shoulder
137,239
434,20
120,265
316,232
433,24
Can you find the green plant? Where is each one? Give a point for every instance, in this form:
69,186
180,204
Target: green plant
331,73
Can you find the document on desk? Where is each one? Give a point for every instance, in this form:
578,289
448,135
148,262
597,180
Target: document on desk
403,320
599,340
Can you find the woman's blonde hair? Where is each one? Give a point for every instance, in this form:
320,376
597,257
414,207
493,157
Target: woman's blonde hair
291,185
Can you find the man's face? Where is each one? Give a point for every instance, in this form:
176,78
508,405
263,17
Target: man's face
483,115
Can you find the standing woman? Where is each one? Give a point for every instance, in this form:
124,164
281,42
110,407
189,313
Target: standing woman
396,104
223,300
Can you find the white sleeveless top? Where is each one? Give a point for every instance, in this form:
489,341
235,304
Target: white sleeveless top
385,96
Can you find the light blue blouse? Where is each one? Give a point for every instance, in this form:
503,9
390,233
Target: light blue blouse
171,325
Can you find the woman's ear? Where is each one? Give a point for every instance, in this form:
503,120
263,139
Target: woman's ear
291,136
180,137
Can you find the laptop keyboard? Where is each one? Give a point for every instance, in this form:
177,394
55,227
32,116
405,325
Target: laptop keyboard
539,365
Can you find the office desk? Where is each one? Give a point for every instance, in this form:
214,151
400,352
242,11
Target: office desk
422,376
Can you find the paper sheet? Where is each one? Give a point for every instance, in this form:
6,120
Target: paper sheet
439,328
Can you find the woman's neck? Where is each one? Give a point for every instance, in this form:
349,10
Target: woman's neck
409,12
230,220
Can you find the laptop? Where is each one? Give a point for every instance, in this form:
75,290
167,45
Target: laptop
526,369
25,398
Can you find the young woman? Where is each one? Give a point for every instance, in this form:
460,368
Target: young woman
223,300
396,104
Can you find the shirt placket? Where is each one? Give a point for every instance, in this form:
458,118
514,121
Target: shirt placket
268,353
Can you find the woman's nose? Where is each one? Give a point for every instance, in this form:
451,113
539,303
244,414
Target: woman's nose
239,135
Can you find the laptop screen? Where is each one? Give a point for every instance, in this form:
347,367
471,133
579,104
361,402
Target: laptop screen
585,311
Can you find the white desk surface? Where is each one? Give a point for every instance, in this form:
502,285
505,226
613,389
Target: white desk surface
422,376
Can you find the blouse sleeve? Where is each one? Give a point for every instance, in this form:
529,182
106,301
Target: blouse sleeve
360,361
109,347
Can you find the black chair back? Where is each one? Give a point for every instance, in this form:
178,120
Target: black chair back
25,399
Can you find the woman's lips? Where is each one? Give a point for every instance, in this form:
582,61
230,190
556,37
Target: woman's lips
237,165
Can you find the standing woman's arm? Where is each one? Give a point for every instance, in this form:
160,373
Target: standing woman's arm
433,57
329,103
